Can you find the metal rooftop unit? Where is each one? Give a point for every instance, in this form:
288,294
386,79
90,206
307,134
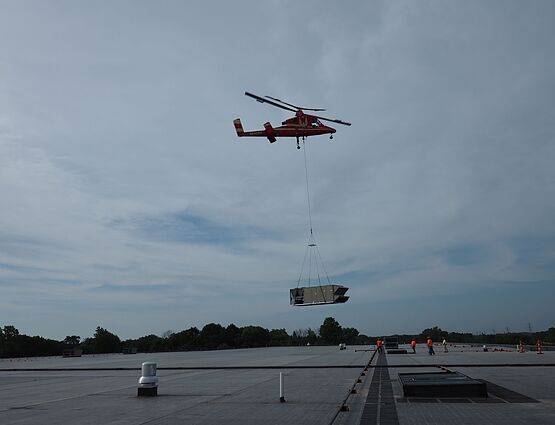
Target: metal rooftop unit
318,295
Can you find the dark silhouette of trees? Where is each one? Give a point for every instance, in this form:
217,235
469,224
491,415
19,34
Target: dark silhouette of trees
311,337
232,335
8,339
304,337
13,344
254,336
214,336
279,338
437,334
211,336
350,336
72,340
147,344
10,332
184,340
105,342
331,331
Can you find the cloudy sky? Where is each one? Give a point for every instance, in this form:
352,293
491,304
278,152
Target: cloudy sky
128,202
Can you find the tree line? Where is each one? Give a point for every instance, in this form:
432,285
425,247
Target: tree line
505,338
214,336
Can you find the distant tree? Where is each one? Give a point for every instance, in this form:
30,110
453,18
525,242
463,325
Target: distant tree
330,331
304,337
167,334
184,340
148,343
437,334
254,336
297,336
279,337
456,337
211,336
350,335
363,340
14,344
232,335
87,345
72,340
311,337
105,341
8,340
30,346
10,332
300,333
2,342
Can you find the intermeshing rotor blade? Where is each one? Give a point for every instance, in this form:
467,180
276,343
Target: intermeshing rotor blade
295,106
262,100
265,100
333,120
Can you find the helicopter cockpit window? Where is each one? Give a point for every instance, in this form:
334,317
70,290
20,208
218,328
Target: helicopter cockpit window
316,123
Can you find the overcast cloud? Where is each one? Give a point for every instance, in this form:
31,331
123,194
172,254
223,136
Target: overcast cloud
127,201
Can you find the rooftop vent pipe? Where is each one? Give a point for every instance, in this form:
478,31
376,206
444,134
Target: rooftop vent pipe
148,383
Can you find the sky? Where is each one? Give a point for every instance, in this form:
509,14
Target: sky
127,201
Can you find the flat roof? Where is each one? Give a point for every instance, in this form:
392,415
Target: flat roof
243,387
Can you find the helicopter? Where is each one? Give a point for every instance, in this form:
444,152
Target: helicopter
301,125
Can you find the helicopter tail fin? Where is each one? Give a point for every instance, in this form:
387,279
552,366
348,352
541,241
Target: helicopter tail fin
269,132
238,127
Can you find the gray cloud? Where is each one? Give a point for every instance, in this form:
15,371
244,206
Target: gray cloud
122,181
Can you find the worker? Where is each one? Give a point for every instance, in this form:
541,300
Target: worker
444,343
413,345
379,344
430,344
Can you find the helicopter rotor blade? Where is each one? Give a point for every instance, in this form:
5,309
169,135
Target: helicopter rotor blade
333,120
290,107
262,100
295,106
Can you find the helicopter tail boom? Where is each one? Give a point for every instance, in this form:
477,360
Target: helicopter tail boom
268,131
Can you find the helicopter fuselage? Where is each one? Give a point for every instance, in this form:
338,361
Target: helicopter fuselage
299,126
302,125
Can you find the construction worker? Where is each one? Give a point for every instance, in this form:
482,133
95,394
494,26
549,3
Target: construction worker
444,343
379,344
430,345
413,345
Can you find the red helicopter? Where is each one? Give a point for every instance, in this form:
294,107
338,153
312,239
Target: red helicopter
300,126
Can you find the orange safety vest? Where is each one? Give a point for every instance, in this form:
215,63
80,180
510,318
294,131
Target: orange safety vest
379,343
430,342
413,343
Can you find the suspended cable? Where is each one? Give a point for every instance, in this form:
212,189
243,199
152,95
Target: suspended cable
310,266
322,293
323,266
312,252
302,267
307,191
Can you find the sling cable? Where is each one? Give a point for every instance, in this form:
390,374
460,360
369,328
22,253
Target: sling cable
320,294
